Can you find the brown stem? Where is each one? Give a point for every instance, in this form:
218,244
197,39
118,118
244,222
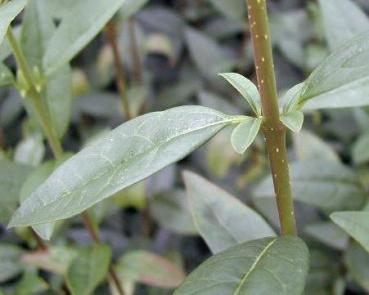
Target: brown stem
96,238
274,131
119,69
137,68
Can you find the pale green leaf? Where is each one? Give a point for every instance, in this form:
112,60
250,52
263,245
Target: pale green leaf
12,176
357,263
356,224
30,151
290,99
233,9
360,150
9,261
308,146
149,269
293,120
222,220
84,20
327,185
8,12
343,20
246,88
131,7
342,78
170,209
329,234
126,155
245,133
275,266
88,269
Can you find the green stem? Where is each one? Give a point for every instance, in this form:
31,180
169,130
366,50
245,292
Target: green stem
35,97
274,130
44,117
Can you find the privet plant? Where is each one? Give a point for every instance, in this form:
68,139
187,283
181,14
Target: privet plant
256,249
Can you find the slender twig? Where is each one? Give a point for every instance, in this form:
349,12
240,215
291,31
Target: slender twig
274,131
137,65
96,237
44,116
119,69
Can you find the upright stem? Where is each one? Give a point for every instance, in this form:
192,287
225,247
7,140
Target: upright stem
44,117
119,69
274,130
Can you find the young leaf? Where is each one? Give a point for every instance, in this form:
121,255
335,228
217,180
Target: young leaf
275,266
126,155
325,184
8,12
343,20
356,224
245,133
222,220
246,88
150,269
293,120
88,269
341,80
78,27
360,151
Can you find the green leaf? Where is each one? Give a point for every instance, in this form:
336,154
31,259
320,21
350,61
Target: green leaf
126,155
343,20
208,56
275,266
341,80
329,234
293,120
84,20
30,283
150,269
8,12
325,184
9,260
37,30
171,210
131,7
308,146
290,99
12,176
88,269
357,263
360,151
245,133
246,88
233,9
222,220
6,76
356,224
30,151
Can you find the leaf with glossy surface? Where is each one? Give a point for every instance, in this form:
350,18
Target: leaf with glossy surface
343,20
222,220
356,224
245,133
88,269
126,155
246,88
325,184
8,12
293,120
341,80
150,269
83,21
275,266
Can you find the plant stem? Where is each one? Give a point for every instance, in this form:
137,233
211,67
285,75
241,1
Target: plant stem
137,69
119,69
44,117
274,130
35,97
95,236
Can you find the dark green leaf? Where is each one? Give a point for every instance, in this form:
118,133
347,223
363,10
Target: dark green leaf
128,154
275,266
88,269
222,220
